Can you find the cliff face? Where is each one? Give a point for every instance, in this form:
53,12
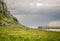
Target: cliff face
5,16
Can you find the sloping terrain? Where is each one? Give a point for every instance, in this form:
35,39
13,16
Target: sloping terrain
5,17
24,34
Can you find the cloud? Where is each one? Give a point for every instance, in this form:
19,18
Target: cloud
35,12
32,5
33,20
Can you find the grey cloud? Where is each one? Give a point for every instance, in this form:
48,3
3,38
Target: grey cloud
36,16
34,20
15,6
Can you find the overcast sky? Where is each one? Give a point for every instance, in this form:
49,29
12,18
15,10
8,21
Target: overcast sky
35,13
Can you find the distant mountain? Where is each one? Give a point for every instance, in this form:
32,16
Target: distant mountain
5,16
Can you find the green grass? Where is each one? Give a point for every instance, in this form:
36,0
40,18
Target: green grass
23,34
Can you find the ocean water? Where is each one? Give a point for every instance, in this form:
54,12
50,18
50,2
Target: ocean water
52,30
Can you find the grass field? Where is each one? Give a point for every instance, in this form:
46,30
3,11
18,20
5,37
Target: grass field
24,34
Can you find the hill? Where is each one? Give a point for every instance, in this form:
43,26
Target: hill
5,16
24,34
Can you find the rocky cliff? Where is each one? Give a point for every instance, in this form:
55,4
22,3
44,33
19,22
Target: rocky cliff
5,16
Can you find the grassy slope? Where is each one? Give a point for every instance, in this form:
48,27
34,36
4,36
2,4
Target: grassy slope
23,34
5,15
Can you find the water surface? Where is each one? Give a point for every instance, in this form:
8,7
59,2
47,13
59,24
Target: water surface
52,29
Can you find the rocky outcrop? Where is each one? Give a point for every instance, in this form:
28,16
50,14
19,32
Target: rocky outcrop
5,16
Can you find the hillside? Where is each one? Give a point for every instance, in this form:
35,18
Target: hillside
5,16
24,34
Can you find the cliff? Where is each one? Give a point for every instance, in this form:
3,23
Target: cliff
5,16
